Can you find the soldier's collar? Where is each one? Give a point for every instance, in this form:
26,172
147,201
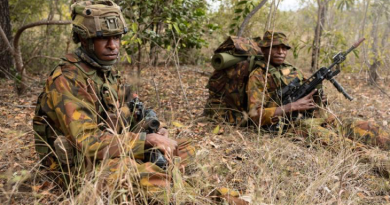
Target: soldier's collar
83,55
281,66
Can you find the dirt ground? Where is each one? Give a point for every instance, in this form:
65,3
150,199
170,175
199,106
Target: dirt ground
178,95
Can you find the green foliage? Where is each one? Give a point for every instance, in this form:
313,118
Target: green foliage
27,11
165,23
345,4
242,9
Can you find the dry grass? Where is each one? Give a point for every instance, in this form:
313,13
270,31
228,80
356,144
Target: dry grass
264,168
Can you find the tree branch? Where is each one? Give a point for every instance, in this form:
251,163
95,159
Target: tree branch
249,16
38,23
5,39
18,56
41,56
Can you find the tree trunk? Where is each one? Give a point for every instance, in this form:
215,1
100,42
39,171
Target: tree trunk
373,74
157,26
321,17
153,55
249,16
6,61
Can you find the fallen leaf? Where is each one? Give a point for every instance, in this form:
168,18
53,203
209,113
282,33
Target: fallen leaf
361,195
177,124
216,130
226,191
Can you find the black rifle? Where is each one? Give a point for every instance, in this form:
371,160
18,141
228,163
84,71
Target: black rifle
295,91
150,124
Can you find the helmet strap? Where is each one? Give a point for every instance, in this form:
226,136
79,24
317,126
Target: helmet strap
90,45
92,55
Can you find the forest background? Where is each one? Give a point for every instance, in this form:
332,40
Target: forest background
167,54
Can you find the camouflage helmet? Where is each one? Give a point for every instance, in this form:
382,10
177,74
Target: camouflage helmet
97,19
279,38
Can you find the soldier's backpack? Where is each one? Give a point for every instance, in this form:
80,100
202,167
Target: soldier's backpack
233,61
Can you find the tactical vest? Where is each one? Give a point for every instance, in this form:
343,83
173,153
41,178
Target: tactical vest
46,130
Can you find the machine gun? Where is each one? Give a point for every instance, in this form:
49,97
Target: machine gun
149,124
295,91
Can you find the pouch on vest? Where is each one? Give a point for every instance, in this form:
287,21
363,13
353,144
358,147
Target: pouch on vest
40,139
40,126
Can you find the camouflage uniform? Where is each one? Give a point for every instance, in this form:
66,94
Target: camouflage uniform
83,104
263,101
76,100
84,101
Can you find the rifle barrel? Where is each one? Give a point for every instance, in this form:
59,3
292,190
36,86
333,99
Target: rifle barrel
357,44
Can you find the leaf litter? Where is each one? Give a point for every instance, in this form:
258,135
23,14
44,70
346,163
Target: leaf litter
263,169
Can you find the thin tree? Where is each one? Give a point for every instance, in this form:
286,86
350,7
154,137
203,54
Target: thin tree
5,22
316,47
249,16
380,7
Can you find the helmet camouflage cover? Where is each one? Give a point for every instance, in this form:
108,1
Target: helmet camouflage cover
97,19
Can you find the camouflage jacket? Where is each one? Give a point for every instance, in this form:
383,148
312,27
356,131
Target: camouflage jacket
277,78
79,101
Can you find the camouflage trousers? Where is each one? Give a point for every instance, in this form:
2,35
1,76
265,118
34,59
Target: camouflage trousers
144,182
352,131
152,185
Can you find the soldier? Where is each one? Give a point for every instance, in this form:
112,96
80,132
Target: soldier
82,112
266,110
83,121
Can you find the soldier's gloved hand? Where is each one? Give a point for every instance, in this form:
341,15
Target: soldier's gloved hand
305,103
167,146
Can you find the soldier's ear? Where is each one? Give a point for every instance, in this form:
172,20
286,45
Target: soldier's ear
265,50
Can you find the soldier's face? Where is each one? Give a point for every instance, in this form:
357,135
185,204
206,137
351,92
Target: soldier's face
107,48
278,54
